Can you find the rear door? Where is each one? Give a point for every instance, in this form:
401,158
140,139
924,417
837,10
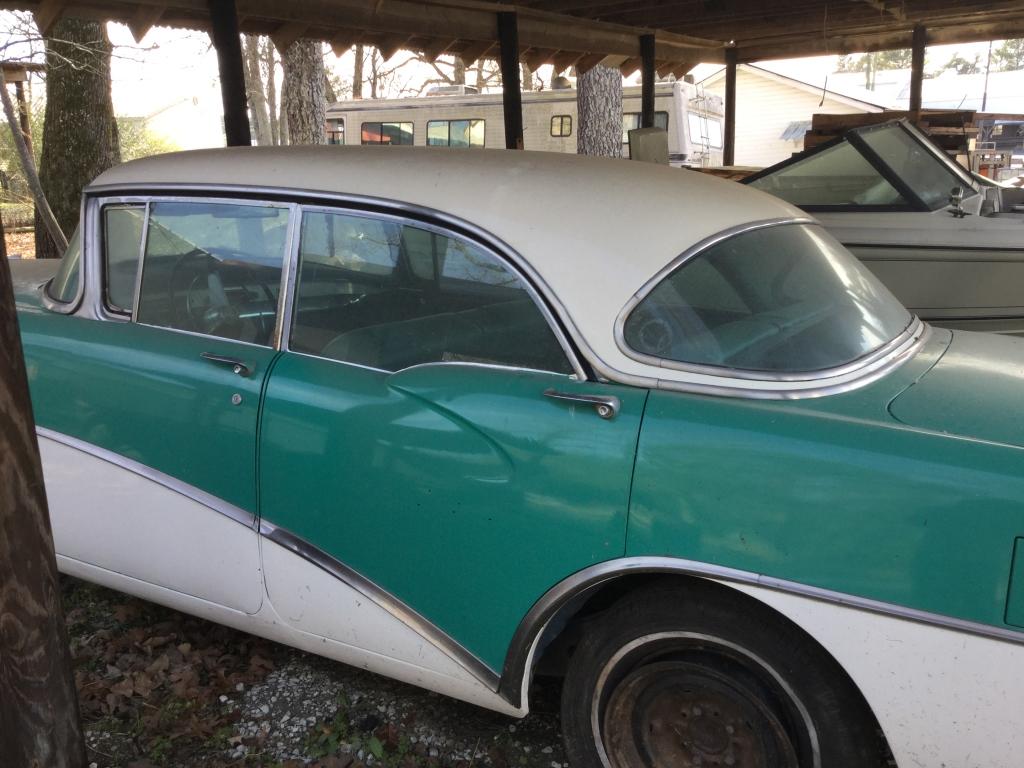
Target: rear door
429,433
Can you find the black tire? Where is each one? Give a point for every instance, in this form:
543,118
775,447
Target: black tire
699,674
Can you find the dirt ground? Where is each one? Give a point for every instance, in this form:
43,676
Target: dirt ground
21,244
159,688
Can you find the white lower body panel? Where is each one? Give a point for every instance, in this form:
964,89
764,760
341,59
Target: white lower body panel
119,520
944,698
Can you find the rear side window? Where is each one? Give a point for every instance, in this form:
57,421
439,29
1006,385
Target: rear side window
389,295
213,268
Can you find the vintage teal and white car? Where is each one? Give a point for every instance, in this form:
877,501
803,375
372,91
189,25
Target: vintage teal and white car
465,417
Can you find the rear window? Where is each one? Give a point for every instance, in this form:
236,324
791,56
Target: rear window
778,299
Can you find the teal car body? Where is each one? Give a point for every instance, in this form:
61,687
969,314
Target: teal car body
233,443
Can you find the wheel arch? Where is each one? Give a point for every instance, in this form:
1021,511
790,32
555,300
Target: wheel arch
564,608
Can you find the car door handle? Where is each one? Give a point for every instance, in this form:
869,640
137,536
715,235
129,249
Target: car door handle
607,406
236,365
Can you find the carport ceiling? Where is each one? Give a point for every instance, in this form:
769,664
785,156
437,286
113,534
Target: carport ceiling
766,29
579,32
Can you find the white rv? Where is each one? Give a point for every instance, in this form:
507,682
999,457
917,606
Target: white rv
693,121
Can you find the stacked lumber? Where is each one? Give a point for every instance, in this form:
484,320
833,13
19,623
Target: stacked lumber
952,130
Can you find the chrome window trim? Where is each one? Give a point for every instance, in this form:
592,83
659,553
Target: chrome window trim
229,510
401,220
517,671
101,254
384,600
289,278
865,362
727,387
419,214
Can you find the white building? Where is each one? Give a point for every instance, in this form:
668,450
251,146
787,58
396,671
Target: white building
774,111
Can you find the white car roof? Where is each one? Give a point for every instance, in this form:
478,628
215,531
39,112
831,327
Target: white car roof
593,230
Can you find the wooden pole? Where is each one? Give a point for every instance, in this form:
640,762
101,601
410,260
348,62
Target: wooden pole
38,703
647,77
224,28
511,90
917,69
729,139
28,165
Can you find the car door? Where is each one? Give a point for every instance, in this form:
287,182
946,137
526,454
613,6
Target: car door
428,438
151,411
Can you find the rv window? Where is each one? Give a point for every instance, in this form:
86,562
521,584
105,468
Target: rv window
336,131
705,131
455,133
387,133
631,121
561,126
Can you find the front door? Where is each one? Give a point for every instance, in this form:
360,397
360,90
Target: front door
150,425
427,431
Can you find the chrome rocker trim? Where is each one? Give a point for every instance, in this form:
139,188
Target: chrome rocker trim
516,675
218,505
383,599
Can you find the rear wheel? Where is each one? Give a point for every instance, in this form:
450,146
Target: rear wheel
673,677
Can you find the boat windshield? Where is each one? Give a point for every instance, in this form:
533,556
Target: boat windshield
887,167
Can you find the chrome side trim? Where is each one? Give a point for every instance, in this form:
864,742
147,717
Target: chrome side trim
218,505
865,363
383,599
515,677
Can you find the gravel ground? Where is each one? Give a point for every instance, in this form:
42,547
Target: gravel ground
159,688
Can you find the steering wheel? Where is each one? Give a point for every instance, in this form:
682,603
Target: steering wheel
207,307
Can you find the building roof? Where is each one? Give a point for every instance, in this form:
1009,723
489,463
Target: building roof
592,230
845,97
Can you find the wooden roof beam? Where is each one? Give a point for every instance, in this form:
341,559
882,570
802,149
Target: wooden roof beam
288,33
890,8
48,13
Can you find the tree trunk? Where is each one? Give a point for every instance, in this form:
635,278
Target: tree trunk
458,71
256,89
79,131
526,77
303,92
276,136
599,106
357,74
38,703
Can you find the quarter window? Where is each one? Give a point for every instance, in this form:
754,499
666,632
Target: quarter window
213,268
631,121
455,133
390,295
64,285
122,238
393,134
561,126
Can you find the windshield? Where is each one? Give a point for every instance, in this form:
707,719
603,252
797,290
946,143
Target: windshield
778,299
888,167
64,285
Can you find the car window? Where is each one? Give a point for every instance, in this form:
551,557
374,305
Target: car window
784,299
837,176
122,238
213,268
390,295
65,283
